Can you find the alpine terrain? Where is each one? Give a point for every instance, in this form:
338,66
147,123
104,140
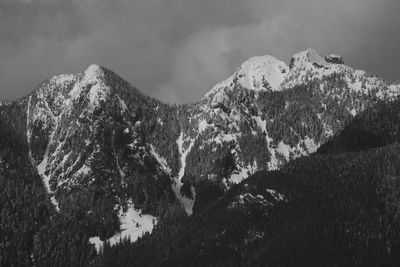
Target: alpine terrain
278,165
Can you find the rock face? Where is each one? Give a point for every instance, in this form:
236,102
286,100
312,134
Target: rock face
335,59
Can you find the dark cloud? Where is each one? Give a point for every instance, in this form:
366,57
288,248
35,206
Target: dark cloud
26,19
177,50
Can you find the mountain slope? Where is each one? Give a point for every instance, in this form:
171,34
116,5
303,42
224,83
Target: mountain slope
375,127
108,155
338,208
222,139
87,132
253,129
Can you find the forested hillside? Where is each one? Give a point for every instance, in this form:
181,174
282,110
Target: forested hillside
89,165
338,208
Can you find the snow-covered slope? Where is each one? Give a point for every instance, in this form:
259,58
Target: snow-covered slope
238,104
94,130
308,65
257,73
92,87
81,135
133,224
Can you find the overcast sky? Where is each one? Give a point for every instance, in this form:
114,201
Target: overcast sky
176,50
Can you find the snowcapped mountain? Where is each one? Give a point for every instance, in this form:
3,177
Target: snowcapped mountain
264,115
94,137
257,73
81,134
282,112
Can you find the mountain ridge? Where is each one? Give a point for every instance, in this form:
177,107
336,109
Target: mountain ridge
106,152
335,207
218,117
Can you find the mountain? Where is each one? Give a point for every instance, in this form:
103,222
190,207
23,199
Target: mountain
106,163
267,114
337,207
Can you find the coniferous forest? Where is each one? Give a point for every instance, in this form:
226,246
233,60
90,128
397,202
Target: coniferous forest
95,173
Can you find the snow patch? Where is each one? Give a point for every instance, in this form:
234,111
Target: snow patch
261,123
97,94
311,146
133,224
360,73
284,150
243,172
98,244
223,138
303,148
28,130
41,168
257,72
202,126
218,91
84,170
93,78
308,56
122,105
63,79
162,161
177,185
277,196
246,199
273,164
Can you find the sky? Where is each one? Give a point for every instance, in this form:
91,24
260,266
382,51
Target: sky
176,50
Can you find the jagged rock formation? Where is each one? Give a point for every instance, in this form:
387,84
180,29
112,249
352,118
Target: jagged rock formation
335,59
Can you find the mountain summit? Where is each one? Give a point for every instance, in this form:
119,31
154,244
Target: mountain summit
257,73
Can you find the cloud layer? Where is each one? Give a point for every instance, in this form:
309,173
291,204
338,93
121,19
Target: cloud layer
176,50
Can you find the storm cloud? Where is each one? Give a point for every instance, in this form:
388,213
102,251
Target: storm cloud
176,50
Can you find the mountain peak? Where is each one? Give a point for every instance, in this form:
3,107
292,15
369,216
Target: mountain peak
93,73
94,69
257,72
313,57
308,56
92,85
